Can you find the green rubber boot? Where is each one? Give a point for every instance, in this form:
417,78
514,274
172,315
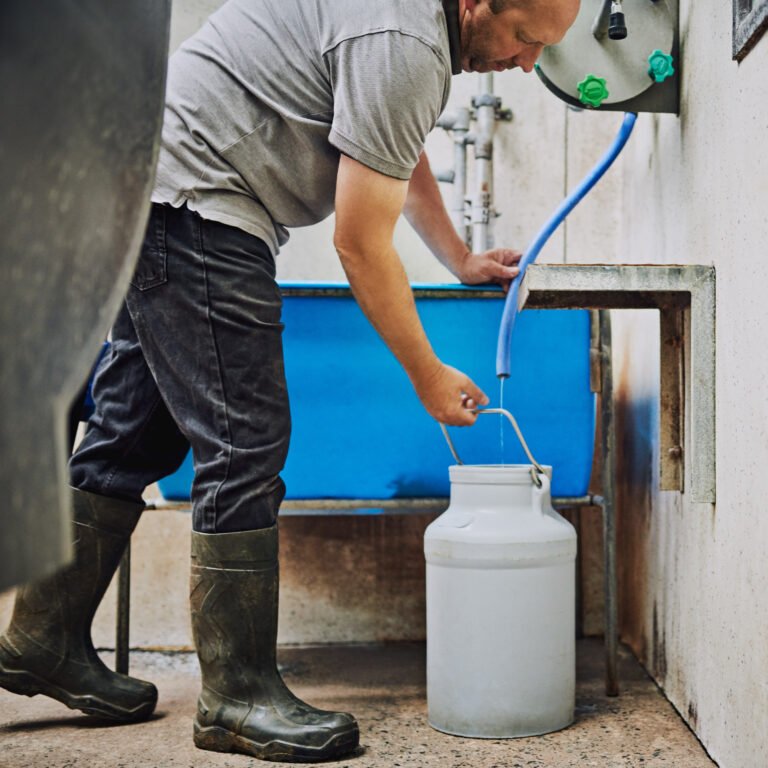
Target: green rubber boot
244,705
48,649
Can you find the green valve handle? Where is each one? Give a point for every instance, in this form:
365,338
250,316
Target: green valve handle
660,66
592,91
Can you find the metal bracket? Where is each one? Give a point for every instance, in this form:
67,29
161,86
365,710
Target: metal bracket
685,297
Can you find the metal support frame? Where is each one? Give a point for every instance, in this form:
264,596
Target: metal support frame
601,381
607,503
436,506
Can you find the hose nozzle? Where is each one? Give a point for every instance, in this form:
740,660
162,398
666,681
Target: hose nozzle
617,27
610,19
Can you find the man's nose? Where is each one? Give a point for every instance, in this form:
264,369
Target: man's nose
528,58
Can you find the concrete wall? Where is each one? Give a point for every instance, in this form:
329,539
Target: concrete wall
693,576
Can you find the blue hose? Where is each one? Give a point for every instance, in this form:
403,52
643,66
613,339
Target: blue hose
504,346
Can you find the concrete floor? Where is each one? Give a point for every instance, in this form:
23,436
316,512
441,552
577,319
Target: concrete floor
384,687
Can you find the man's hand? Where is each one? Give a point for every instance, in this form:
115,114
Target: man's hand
449,395
495,266
425,211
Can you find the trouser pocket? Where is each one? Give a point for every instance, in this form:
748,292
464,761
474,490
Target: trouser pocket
152,267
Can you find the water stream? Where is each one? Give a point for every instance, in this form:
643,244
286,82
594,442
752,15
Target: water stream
502,379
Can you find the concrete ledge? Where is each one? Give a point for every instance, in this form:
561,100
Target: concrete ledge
685,296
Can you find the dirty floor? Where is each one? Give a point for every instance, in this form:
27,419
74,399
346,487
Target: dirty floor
384,687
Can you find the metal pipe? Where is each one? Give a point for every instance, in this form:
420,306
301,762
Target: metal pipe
474,229
420,290
608,452
458,211
485,114
563,502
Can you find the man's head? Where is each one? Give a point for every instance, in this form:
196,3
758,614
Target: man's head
502,34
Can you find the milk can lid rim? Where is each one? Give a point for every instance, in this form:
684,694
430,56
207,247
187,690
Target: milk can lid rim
516,474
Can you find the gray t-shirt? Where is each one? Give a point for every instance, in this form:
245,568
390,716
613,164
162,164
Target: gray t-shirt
262,100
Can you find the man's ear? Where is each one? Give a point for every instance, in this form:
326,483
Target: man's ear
469,6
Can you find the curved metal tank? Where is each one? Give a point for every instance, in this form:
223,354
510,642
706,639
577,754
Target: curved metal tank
83,91
639,73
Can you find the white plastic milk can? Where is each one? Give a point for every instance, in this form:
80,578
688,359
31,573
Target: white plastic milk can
500,605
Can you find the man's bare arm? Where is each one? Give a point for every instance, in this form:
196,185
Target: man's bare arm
368,205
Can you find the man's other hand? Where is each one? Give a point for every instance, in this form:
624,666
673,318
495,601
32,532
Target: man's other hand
495,266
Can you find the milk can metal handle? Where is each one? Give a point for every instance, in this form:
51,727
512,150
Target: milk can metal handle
543,493
536,470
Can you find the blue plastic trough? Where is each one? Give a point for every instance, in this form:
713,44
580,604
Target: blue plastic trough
359,431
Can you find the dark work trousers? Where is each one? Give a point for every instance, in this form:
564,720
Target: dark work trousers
196,359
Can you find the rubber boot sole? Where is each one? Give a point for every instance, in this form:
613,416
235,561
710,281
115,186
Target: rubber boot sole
217,739
28,684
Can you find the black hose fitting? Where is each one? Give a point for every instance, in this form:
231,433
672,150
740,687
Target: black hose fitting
617,28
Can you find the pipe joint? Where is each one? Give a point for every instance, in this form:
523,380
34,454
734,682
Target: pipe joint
462,119
484,149
486,100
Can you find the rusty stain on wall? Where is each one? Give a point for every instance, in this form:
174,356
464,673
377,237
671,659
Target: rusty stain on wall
634,456
659,649
693,715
